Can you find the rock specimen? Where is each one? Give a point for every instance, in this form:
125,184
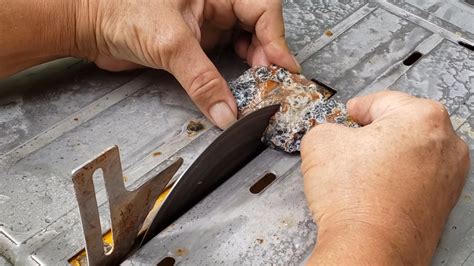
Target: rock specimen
304,104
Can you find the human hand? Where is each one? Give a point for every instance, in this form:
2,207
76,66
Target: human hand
381,194
171,35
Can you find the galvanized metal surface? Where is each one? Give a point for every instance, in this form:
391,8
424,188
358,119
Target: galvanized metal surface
229,152
63,115
39,213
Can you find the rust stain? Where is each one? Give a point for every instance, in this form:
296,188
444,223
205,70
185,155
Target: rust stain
259,241
301,80
181,252
80,259
328,33
324,91
100,159
315,96
194,127
156,154
331,118
284,107
269,86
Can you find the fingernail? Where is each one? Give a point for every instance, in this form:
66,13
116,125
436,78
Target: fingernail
222,115
298,66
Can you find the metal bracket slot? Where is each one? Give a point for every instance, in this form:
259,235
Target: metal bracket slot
262,183
326,90
466,45
167,261
412,58
128,209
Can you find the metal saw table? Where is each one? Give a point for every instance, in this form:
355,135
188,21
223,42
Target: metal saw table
55,117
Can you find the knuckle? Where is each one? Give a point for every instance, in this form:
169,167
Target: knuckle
277,4
169,46
205,85
268,3
394,93
432,116
264,25
435,111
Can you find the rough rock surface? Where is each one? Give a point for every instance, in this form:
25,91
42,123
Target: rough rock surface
304,104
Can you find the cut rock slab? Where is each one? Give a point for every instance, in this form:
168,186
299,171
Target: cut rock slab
303,104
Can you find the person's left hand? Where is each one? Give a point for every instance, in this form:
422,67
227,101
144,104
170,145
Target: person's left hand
381,194
171,35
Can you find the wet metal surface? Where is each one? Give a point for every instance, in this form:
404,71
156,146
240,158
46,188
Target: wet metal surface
229,152
364,52
271,227
306,20
65,114
453,86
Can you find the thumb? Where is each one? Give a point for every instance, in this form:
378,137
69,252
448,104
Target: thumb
366,109
203,82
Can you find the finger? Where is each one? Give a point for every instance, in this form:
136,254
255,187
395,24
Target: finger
241,46
250,53
203,82
259,58
220,14
256,55
366,109
266,17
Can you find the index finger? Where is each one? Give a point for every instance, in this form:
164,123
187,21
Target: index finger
266,18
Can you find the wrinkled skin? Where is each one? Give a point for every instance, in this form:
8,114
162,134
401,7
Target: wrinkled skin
171,35
162,34
382,193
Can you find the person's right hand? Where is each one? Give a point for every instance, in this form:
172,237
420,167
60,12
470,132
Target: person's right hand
381,194
171,35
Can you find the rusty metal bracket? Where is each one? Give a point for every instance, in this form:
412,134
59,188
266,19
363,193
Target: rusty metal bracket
128,209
